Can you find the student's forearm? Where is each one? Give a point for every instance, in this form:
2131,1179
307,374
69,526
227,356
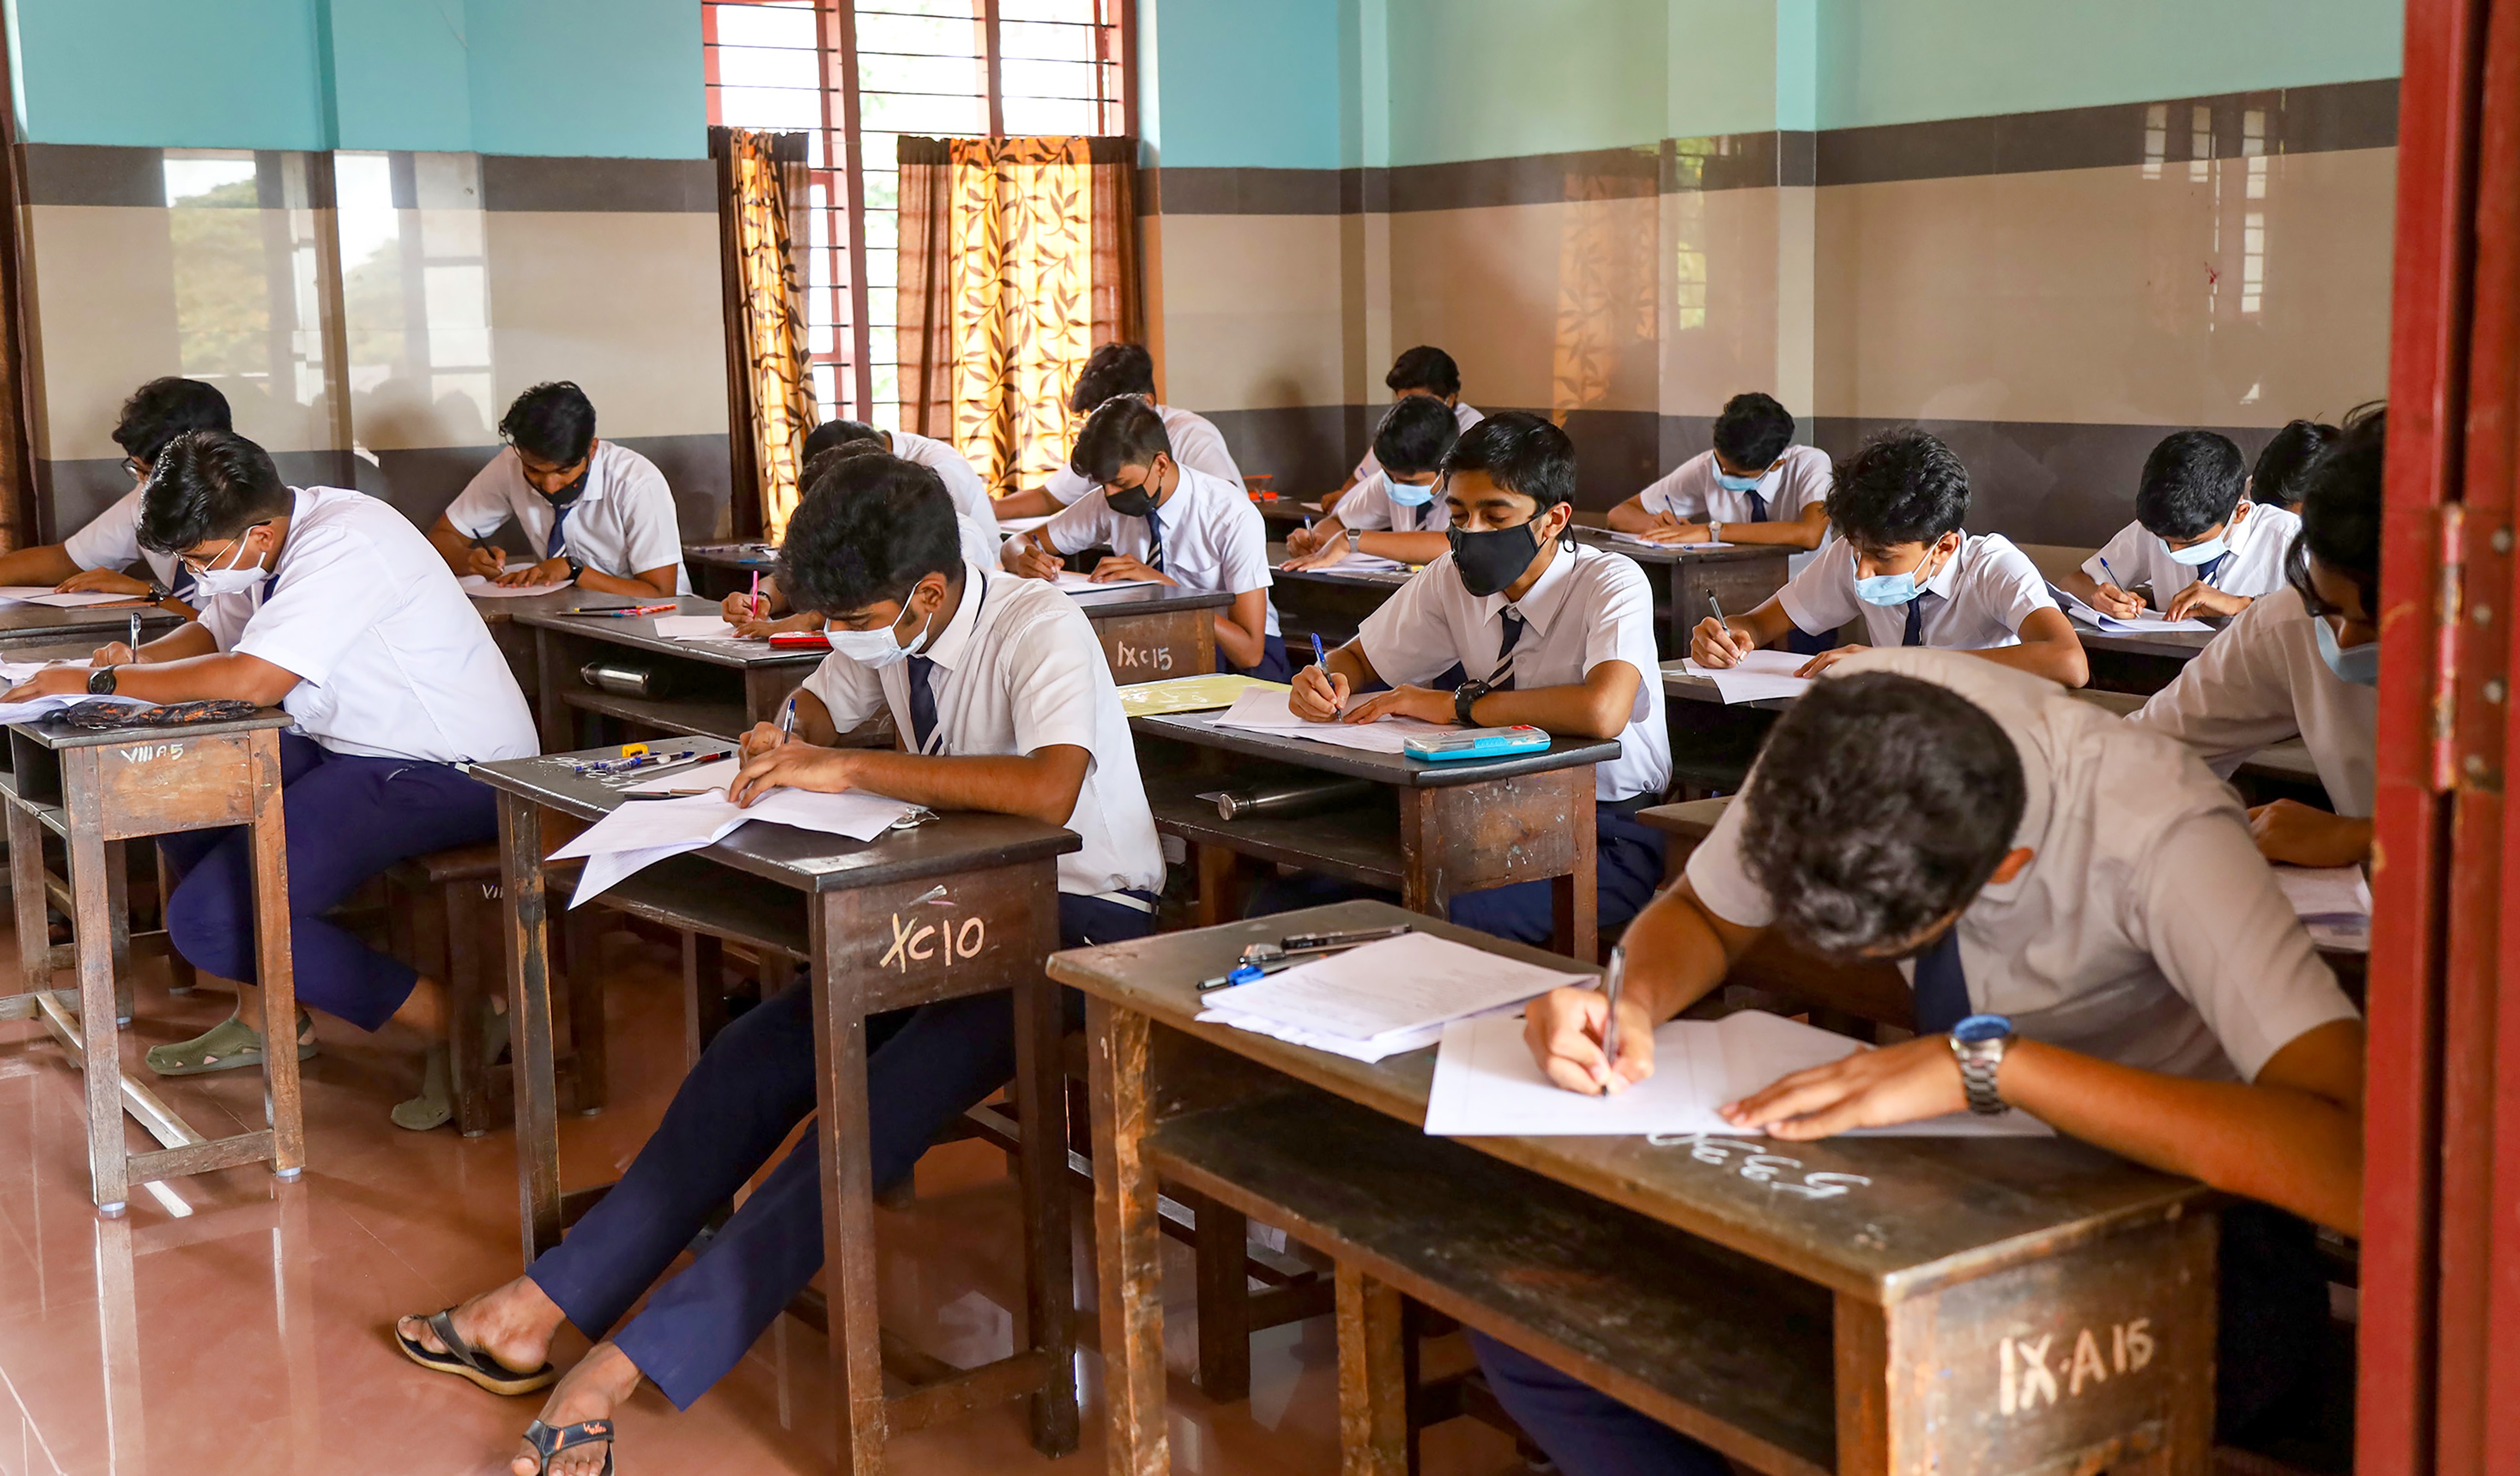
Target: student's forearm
1036,503
186,641
1630,516
452,546
2058,661
1803,533
1243,644
1598,707
1768,624
2080,585
1406,548
219,675
635,588
1686,949
1036,786
45,565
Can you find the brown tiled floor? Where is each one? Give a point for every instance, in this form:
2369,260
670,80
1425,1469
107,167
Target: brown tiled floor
233,1325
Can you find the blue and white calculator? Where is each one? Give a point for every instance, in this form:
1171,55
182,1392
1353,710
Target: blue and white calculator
1477,742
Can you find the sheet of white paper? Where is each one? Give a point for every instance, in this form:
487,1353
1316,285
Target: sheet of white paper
1265,711
1640,541
480,588
2334,904
694,628
712,776
14,672
1762,674
42,593
1403,983
643,832
1367,564
2149,622
1079,584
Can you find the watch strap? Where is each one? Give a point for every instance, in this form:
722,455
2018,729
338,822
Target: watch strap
1465,697
101,681
1980,1063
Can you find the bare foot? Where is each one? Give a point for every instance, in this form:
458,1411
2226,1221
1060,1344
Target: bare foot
602,1382
513,1324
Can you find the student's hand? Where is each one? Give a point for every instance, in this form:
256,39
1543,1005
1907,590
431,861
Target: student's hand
1828,658
489,564
2202,599
1302,540
1025,556
1869,1089
1715,645
1318,695
2109,599
51,682
549,571
101,582
763,630
120,654
738,608
762,738
1563,1029
1668,529
1118,566
1321,558
792,765
2298,834
1424,703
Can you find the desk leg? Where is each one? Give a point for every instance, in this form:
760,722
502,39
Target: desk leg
28,899
1129,1242
274,966
553,715
529,951
117,902
1050,1245
1575,898
1372,1377
848,1189
108,1174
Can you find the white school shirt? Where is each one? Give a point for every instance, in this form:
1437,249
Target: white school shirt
392,660
1587,608
962,483
1977,600
623,523
1017,670
1800,479
1369,508
2262,681
2147,929
1464,417
112,541
1213,537
1196,445
2253,567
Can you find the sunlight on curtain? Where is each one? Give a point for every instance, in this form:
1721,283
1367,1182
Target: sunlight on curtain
780,391
1020,292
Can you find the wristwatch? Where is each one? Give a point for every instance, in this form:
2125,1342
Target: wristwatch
1714,532
1465,697
1354,536
576,567
158,593
1978,1043
101,682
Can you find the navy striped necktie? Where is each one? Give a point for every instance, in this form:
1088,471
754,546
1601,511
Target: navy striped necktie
1942,985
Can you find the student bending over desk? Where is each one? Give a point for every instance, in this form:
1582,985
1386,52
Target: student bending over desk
2305,660
1393,513
92,559
1904,563
1423,373
1119,371
330,604
600,511
768,613
1564,634
2274,477
1168,522
2198,542
999,688
2078,901
1752,486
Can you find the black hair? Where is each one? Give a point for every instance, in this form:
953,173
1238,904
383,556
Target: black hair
161,410
822,462
833,433
1122,433
2340,509
2192,482
1113,370
1414,435
1903,486
2276,478
1881,804
1520,452
206,484
552,423
868,529
1426,367
1753,431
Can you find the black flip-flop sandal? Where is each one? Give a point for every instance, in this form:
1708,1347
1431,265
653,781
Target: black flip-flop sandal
549,1442
466,1362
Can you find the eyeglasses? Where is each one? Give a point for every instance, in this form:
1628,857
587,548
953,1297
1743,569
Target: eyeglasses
197,566
138,469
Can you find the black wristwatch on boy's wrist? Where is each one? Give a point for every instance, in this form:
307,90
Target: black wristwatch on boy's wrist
576,567
101,681
1465,697
159,594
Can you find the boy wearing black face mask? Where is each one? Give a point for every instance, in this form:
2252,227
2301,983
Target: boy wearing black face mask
1167,523
1556,635
597,514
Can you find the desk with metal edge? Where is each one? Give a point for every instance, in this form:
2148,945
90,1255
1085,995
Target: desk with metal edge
711,689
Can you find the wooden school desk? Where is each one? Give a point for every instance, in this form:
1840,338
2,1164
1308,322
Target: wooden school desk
516,641
1153,631
94,792
718,688
1430,831
1331,602
1856,1307
720,570
1741,575
2141,664
961,905
28,625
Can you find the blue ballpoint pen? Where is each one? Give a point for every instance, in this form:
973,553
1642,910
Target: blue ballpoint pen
1321,657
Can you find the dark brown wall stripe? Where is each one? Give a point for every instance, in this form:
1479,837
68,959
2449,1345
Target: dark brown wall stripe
81,174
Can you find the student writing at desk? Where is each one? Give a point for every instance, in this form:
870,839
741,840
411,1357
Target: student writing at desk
599,513
2081,910
1424,372
1394,512
999,691
330,604
756,616
1562,635
1752,486
1114,372
92,561
2304,660
1168,522
1907,566
2198,542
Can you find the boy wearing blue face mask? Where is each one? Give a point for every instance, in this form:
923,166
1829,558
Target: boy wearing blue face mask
2198,542
1394,512
2303,660
1752,486
1904,566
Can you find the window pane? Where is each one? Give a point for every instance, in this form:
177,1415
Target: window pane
1051,117
948,9
958,75
912,37
1045,10
897,114
1058,43
1047,79
776,108
762,67
789,23
882,190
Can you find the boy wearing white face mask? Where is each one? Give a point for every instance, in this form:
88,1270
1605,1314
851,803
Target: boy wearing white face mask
1905,565
2197,542
2303,660
1394,512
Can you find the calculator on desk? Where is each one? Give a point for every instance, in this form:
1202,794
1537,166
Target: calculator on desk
1477,742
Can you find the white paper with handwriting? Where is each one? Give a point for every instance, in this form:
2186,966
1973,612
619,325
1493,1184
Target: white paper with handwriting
637,836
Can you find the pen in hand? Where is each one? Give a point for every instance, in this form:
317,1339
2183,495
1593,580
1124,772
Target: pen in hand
1722,622
1610,982
1321,657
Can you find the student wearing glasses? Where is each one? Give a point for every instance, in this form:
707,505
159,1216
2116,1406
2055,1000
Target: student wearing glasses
98,558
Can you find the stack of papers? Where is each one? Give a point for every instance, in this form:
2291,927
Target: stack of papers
42,593
481,588
1265,711
1085,591
2334,904
2145,623
1146,700
1763,675
1642,542
1487,1085
639,835
1383,998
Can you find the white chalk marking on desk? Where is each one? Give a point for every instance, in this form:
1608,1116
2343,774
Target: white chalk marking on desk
1129,657
2024,1375
147,752
919,941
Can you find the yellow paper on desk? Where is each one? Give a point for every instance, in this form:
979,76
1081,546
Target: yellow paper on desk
1146,700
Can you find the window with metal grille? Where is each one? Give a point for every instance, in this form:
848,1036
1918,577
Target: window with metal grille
854,78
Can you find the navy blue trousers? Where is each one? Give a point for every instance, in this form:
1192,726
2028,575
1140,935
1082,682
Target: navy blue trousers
925,1067
1628,861
1274,663
2273,1303
349,818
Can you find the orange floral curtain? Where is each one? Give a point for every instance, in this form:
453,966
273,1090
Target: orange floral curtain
1016,258
770,390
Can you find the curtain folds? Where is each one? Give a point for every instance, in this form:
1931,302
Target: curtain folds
770,390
